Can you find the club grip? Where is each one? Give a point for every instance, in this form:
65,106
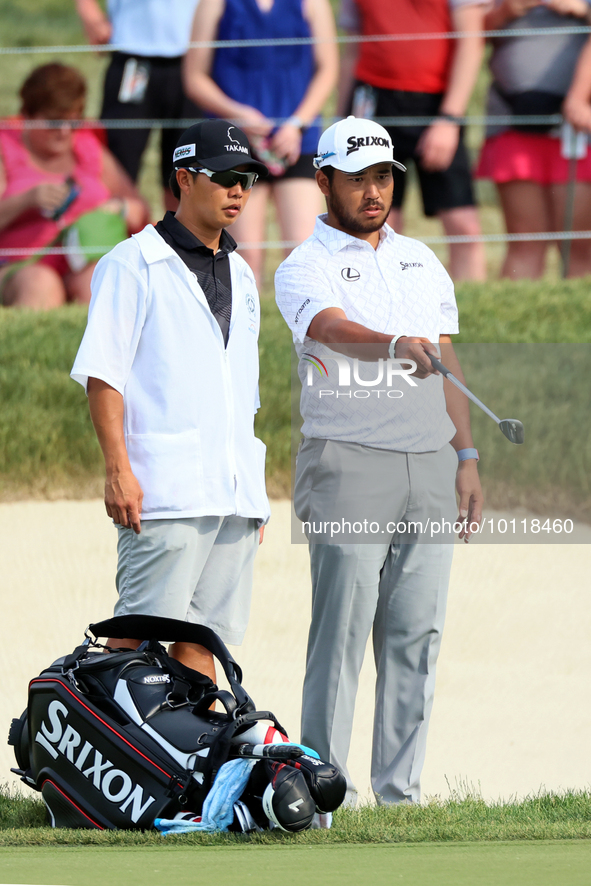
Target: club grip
438,365
274,751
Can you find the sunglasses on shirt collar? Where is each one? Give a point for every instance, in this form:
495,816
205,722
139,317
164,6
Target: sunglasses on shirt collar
229,177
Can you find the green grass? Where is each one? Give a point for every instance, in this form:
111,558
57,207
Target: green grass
48,447
463,841
517,864
39,23
462,818
525,311
272,423
547,387
47,444
514,864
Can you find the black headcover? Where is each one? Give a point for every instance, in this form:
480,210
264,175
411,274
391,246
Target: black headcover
326,783
278,793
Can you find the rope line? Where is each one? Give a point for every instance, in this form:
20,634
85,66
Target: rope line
308,41
291,244
184,123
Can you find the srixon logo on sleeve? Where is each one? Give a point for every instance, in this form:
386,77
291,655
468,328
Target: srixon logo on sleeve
58,737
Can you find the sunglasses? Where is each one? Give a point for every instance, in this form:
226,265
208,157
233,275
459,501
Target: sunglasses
229,177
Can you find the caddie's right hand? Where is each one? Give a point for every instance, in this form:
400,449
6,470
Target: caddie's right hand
123,499
413,348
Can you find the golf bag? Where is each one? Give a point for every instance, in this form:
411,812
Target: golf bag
117,740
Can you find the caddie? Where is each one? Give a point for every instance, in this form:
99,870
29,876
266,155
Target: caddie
381,458
169,360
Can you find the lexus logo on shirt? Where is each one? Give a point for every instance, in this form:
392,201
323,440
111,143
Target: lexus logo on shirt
350,274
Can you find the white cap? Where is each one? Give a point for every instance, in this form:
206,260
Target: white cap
355,144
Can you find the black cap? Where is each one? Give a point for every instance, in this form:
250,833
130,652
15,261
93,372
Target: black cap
216,145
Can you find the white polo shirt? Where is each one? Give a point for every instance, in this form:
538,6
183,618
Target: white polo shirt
189,402
400,288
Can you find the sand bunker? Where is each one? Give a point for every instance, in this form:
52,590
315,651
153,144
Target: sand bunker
512,709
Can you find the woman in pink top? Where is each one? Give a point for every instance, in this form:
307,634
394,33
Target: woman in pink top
48,179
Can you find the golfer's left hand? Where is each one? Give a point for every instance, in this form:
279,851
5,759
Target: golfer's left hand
471,497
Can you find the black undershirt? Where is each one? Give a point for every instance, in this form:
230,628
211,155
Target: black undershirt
212,270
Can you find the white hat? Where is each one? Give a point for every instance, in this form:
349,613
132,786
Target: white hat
355,144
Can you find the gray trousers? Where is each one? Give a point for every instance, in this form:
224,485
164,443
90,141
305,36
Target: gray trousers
394,588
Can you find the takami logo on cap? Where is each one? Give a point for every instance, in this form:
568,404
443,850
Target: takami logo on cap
235,144
183,151
366,141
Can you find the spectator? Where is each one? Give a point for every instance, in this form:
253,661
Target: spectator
255,86
49,178
423,78
143,80
531,75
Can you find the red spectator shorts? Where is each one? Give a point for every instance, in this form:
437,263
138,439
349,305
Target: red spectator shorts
518,156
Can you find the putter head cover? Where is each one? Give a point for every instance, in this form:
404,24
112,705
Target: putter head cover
326,783
278,793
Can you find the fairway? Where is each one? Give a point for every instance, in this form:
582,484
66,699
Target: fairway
509,864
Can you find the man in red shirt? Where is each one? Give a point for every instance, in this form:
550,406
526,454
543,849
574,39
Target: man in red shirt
421,78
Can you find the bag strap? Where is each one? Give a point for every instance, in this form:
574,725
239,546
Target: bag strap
75,656
221,746
205,702
171,630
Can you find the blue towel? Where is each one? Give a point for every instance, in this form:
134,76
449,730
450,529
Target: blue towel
218,808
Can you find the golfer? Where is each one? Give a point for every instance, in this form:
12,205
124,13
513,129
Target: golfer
169,360
356,287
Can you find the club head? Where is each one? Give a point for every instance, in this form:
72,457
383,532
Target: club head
512,429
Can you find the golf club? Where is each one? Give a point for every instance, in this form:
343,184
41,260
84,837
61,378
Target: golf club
511,427
284,751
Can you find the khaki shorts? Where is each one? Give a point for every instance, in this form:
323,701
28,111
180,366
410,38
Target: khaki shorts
196,569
